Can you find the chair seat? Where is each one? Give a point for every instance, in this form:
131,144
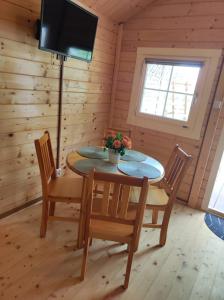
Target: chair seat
111,231
157,196
66,188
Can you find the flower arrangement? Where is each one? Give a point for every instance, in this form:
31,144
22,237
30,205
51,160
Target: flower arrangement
117,142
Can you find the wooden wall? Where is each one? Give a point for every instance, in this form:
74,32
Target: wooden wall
29,94
167,23
29,87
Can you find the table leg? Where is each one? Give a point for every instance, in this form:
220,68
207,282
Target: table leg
82,222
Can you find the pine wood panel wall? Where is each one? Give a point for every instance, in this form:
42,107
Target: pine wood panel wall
29,96
166,23
118,10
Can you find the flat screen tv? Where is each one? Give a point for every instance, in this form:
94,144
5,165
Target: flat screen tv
67,29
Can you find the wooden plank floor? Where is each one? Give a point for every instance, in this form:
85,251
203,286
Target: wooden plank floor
190,266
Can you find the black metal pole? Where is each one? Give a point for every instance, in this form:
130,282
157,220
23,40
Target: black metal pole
60,96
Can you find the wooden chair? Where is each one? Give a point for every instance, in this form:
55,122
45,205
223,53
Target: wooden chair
108,217
162,198
54,189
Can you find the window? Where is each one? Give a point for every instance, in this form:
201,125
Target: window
171,89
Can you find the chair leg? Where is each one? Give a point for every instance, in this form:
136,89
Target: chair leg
84,259
52,208
91,241
155,214
164,228
43,227
128,268
163,235
82,216
135,248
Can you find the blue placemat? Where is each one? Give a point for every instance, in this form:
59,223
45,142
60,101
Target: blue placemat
215,224
132,155
93,152
86,165
138,169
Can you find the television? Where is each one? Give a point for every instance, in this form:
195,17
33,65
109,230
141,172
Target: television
67,29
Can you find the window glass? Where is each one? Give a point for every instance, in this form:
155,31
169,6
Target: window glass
169,89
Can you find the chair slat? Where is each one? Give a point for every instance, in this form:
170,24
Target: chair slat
171,172
106,198
115,199
43,150
174,171
46,161
124,201
180,165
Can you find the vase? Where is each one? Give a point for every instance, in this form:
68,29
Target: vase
114,157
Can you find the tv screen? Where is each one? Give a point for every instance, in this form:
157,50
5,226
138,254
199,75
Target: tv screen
67,29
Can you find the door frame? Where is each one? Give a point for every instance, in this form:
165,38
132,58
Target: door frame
213,174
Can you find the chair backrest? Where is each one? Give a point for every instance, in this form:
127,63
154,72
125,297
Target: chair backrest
175,169
114,202
45,160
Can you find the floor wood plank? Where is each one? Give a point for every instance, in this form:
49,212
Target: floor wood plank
190,266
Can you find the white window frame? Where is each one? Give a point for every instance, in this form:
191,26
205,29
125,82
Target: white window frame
209,58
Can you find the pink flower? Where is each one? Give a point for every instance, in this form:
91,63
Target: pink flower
126,142
117,144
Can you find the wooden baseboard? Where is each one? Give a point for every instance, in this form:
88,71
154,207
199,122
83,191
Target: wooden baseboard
21,207
181,201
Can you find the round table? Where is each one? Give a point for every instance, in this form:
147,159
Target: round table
83,165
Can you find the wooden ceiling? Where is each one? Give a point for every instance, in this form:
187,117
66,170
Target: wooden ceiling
117,10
